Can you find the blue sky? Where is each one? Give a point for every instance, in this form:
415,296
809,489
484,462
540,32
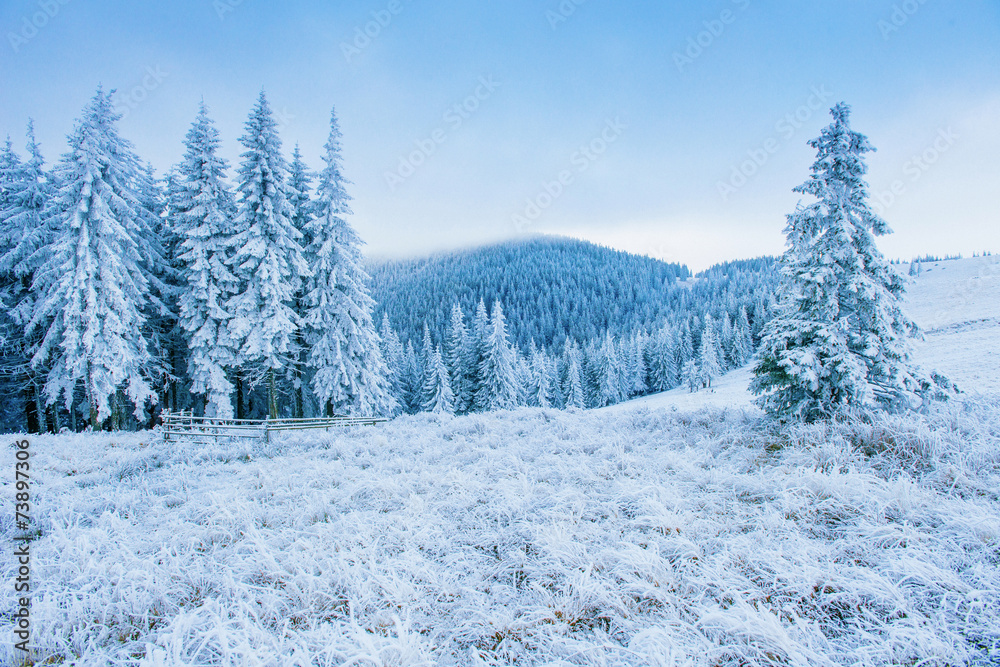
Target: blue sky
670,129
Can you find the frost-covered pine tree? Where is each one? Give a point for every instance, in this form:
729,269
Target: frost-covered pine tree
349,373
575,396
742,346
204,221
477,344
268,260
300,199
840,338
662,363
539,383
392,354
94,286
456,357
609,371
499,387
437,387
692,375
709,354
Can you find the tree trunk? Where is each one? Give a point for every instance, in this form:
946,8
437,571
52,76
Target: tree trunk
240,414
272,396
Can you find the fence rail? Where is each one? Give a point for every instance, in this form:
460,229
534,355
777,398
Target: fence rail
185,425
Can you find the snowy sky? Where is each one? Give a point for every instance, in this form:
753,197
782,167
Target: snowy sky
625,123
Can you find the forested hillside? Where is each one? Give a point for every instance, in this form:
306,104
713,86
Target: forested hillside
562,323
556,288
551,288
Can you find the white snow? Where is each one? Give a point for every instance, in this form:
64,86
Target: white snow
631,535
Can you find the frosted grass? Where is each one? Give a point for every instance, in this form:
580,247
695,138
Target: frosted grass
533,537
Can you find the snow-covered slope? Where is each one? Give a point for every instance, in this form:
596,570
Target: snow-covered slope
955,302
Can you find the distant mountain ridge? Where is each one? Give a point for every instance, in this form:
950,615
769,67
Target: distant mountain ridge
552,288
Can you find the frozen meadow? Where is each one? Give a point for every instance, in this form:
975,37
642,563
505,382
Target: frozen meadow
667,531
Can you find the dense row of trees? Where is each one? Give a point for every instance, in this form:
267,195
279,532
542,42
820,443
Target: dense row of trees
123,293
474,366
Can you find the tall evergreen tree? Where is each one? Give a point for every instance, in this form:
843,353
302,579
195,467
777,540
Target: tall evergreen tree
268,260
26,193
575,396
456,356
437,387
300,199
94,286
499,387
840,338
204,222
349,373
710,353
742,346
609,373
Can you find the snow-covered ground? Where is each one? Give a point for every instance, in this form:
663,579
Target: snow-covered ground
634,535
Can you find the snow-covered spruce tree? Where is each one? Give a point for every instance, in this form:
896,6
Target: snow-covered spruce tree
608,373
94,286
742,345
709,354
203,220
662,363
349,373
499,388
268,260
437,387
456,358
539,383
691,375
392,354
840,338
26,192
300,199
575,396
478,334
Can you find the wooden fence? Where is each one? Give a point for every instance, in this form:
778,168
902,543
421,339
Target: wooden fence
177,425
